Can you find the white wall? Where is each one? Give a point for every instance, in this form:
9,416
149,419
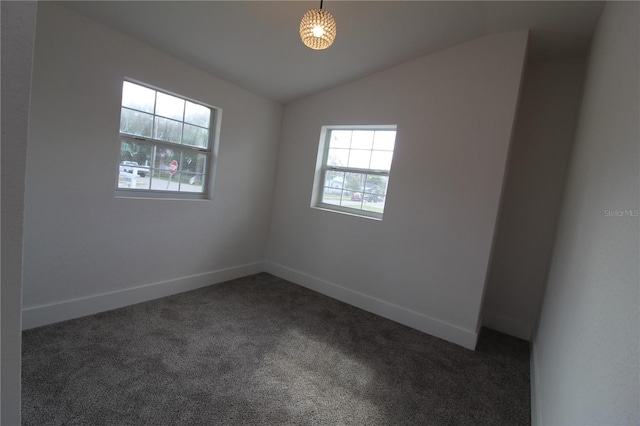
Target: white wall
425,263
542,141
586,359
86,250
18,32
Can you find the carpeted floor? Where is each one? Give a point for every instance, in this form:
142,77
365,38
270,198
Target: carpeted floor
263,351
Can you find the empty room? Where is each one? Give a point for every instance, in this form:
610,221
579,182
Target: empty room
327,213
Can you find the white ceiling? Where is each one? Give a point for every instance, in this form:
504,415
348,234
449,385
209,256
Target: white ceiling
255,44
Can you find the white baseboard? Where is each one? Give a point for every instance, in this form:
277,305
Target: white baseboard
508,326
424,323
37,316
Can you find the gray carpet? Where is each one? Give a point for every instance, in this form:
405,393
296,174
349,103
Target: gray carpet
263,351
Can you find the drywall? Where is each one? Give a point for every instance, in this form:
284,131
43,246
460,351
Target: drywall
530,205
425,263
18,33
85,247
586,359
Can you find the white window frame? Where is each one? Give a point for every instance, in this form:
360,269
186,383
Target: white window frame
210,152
322,168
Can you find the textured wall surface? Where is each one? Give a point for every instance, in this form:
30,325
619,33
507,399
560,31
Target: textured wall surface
425,263
537,168
586,359
18,32
82,243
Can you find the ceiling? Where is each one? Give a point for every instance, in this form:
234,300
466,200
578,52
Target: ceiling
255,44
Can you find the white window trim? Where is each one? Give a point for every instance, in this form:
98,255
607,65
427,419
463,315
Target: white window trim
211,152
318,181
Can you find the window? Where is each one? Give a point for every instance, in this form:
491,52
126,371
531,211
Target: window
165,144
353,169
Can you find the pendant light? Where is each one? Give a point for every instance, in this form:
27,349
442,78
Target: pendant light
318,29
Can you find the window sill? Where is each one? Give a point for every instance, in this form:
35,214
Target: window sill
139,195
348,213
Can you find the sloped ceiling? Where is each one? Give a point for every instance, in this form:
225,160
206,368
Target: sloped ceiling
255,44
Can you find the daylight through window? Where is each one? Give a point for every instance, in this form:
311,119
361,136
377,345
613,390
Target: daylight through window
354,172
165,143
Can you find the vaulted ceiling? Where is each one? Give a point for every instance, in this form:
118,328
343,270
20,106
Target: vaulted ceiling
255,44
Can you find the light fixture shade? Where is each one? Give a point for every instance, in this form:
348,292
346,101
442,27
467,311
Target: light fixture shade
317,29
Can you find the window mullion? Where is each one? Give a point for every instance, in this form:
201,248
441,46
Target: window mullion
355,170
164,144
155,104
153,165
179,171
184,109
